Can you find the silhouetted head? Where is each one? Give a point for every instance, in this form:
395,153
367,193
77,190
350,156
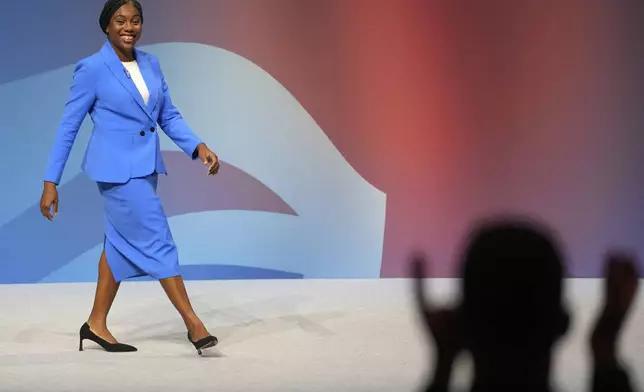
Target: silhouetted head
122,22
512,291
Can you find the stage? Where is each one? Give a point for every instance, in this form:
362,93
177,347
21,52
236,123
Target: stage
275,335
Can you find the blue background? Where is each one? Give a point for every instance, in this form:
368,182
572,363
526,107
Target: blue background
272,212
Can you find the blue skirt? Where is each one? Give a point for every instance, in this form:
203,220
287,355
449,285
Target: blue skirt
138,241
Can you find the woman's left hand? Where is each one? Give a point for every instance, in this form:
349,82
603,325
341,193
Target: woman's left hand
208,157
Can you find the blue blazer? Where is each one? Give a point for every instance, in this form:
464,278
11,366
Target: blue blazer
124,143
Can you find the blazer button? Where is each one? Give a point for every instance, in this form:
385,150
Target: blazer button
142,133
152,129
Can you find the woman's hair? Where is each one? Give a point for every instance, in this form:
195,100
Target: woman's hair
111,6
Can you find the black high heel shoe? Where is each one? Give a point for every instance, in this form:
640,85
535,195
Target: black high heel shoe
201,344
86,333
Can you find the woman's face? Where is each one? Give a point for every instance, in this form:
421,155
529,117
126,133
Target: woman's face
125,28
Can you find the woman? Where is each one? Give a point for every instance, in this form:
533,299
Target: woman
124,91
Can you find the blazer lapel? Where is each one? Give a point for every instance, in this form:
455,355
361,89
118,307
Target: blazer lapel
151,80
120,73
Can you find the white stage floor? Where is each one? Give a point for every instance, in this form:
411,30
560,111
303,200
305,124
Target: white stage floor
294,335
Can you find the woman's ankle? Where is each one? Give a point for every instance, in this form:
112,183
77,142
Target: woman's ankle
195,325
97,323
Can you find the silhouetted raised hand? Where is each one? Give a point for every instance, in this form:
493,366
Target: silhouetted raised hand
620,287
442,324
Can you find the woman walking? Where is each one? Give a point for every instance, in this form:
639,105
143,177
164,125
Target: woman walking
125,93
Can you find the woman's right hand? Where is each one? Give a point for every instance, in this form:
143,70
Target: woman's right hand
48,200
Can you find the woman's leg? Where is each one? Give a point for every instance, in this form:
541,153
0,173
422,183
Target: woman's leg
106,289
176,291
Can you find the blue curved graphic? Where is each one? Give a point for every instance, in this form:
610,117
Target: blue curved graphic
227,272
79,227
286,201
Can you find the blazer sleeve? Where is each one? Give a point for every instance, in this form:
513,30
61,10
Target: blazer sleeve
82,96
172,122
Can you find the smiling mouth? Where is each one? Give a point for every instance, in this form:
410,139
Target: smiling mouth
128,38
